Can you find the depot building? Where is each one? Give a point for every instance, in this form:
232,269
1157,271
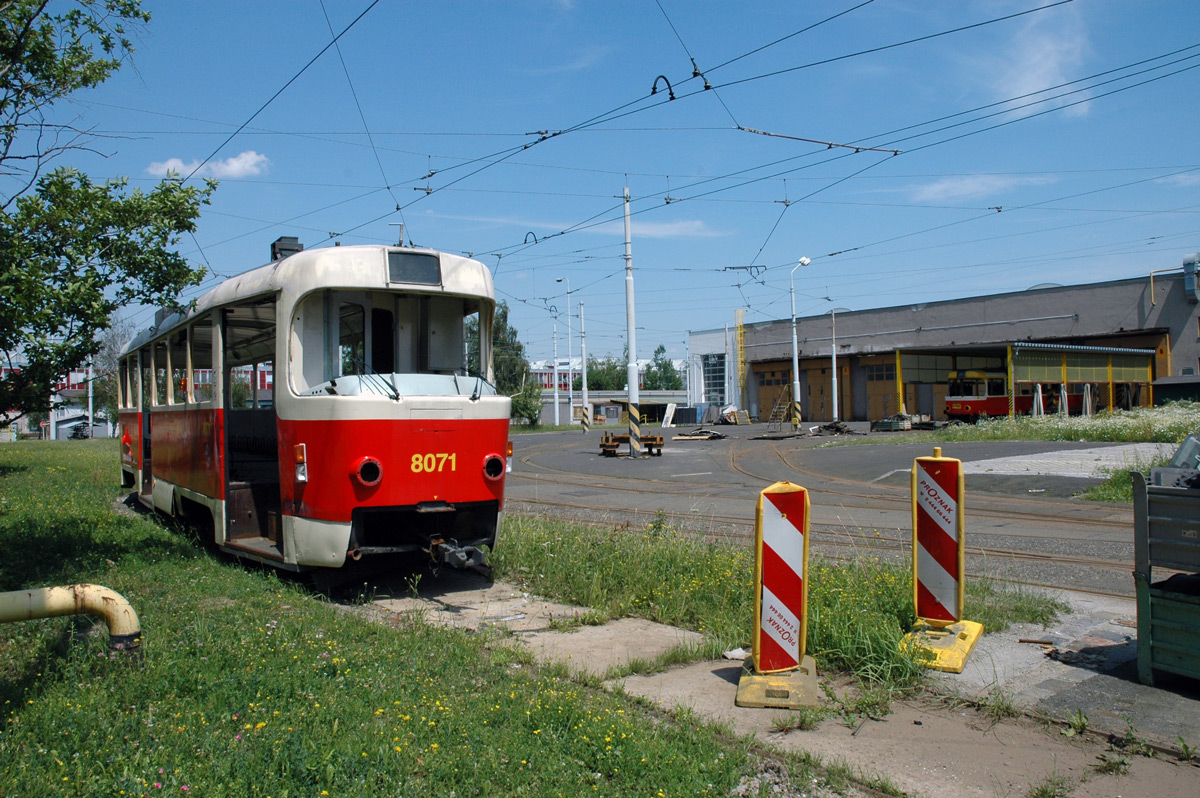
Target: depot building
1084,347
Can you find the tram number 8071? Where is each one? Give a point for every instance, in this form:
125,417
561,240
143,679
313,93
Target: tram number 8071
434,463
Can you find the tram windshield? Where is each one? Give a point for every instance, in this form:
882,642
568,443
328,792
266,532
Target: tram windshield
967,388
975,387
354,343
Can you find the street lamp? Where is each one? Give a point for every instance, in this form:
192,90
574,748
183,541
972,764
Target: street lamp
570,368
833,354
796,351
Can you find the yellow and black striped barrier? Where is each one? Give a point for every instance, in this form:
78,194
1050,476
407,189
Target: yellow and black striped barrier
635,431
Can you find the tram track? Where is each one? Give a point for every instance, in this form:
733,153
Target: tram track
892,497
843,535
882,497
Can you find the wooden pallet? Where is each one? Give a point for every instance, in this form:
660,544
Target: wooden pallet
610,444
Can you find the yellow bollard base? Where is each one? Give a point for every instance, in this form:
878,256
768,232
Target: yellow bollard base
947,647
786,690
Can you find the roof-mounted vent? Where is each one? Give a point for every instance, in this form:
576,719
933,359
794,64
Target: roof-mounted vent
1189,278
284,246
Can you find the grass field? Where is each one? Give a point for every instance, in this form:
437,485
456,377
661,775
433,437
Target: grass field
253,685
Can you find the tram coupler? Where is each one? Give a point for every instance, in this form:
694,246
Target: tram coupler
450,553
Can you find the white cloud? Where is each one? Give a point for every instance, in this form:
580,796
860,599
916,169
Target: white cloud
584,59
688,228
691,228
1184,181
245,164
1048,50
962,187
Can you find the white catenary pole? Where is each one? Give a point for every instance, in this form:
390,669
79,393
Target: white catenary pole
833,357
587,408
631,371
570,367
556,374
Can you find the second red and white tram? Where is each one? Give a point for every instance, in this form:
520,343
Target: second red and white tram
323,407
971,395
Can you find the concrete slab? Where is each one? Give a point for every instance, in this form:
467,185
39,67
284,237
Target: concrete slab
1089,463
552,631
596,649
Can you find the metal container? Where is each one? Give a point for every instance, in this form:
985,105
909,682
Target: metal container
1167,537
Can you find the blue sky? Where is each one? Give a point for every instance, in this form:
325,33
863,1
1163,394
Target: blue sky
495,124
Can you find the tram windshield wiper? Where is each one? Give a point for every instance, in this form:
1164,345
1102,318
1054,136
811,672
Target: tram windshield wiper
368,376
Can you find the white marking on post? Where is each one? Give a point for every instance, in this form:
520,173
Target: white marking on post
781,624
937,580
939,506
783,538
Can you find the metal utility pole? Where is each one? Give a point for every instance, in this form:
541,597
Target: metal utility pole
796,352
587,408
833,356
555,373
631,372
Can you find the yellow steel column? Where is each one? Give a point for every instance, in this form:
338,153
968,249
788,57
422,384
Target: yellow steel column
1110,385
1012,386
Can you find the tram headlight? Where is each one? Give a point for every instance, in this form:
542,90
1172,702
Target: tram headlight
494,467
368,472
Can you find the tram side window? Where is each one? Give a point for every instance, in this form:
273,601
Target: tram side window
250,355
147,391
123,394
160,373
179,369
201,342
996,387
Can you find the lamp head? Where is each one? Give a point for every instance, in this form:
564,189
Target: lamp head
804,261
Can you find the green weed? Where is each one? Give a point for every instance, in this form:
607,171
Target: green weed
1053,786
1112,764
1077,723
802,719
998,705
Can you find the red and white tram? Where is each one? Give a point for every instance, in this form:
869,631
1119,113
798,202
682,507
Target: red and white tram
321,408
971,395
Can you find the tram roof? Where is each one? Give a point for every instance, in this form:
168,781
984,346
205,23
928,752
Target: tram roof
327,267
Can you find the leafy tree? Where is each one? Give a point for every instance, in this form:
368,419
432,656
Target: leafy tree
661,374
72,251
527,403
608,374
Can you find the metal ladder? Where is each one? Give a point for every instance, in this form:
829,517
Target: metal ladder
779,413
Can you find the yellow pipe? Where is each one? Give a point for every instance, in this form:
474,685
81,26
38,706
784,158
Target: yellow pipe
124,629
